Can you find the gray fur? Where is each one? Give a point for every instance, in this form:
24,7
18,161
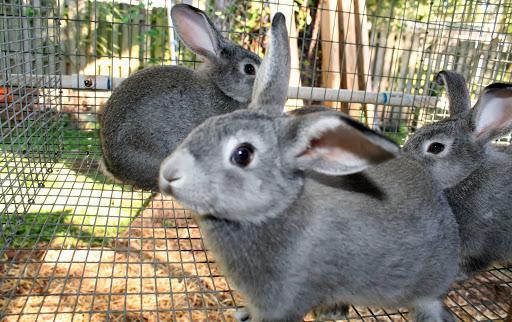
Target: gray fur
154,109
477,177
459,100
294,233
458,94
271,86
507,148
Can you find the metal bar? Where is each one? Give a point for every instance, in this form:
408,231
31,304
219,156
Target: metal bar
107,83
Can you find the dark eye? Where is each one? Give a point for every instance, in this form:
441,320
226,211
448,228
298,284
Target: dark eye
242,155
249,69
435,148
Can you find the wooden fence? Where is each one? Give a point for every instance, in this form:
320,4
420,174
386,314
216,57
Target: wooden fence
406,60
106,38
117,38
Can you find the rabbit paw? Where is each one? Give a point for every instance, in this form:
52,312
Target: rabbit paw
432,311
333,313
461,277
242,315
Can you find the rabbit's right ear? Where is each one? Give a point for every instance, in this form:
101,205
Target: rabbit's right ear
458,94
271,85
331,143
197,31
492,114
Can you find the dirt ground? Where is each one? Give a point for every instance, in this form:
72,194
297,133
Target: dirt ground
159,270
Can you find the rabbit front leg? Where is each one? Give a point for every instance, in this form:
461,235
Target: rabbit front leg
429,310
331,313
243,315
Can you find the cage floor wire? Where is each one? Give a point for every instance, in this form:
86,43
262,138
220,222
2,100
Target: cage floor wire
154,268
74,246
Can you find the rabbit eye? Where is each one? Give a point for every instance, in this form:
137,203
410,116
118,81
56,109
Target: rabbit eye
242,155
435,148
249,69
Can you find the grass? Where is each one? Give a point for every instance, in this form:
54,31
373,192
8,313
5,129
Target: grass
27,230
57,195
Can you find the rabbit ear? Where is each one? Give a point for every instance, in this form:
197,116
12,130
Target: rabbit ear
271,85
197,31
333,144
458,94
492,114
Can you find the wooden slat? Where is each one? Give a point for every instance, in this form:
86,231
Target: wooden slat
329,35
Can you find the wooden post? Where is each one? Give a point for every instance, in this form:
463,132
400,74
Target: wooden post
349,50
355,51
345,50
363,58
314,33
329,36
27,56
38,33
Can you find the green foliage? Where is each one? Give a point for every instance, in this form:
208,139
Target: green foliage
48,199
400,136
27,230
32,228
303,13
245,21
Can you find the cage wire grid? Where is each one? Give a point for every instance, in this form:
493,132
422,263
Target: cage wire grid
76,246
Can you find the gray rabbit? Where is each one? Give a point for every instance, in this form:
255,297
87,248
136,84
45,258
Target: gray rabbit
459,99
313,210
507,148
154,109
477,177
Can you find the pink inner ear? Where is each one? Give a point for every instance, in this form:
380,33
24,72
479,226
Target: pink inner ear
495,115
341,143
195,32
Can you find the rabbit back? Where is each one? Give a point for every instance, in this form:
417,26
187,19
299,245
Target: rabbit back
405,233
482,204
150,114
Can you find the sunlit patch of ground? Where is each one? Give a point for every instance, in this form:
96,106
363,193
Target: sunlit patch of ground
40,202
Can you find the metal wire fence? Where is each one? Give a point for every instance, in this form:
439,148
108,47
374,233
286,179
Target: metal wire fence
76,246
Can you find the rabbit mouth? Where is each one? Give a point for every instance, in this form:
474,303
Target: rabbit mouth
181,196
166,185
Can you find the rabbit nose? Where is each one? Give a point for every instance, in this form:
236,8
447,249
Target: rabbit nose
170,174
173,171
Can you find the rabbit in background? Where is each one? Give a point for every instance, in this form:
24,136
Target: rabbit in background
477,177
154,109
308,211
459,99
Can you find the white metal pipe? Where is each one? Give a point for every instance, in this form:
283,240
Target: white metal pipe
76,81
354,96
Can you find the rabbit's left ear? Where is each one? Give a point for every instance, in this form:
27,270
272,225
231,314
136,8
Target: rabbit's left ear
197,31
271,85
492,114
333,144
458,94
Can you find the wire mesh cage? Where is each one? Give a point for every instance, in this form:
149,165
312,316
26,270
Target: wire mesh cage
76,246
